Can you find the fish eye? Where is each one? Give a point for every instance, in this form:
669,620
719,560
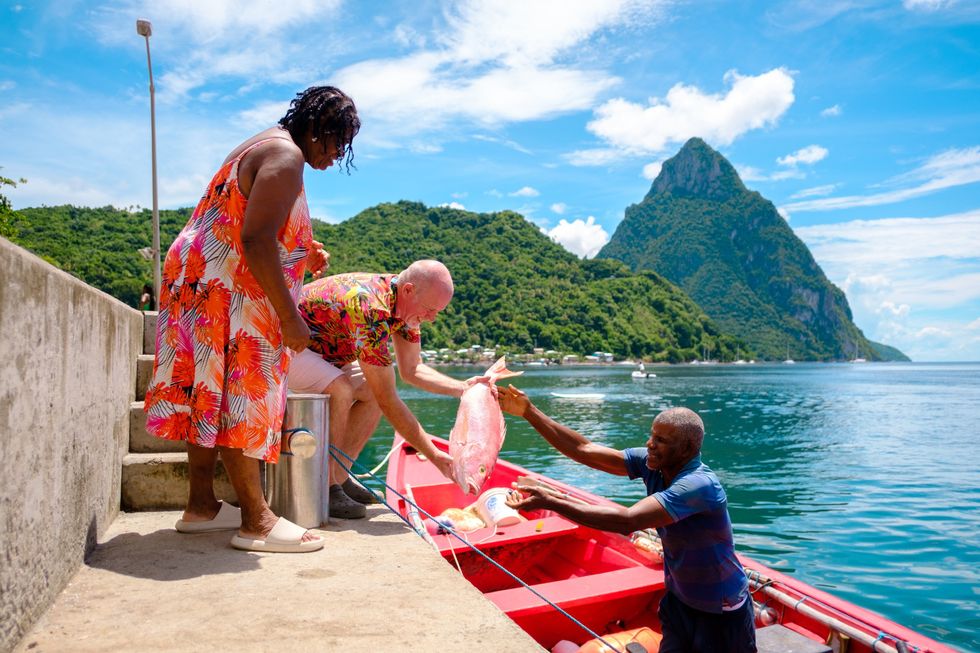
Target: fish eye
483,470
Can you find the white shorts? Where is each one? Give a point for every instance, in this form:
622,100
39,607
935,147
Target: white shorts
309,373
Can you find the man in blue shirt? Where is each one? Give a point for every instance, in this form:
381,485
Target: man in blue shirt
707,607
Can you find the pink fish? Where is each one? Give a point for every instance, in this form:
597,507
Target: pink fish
479,431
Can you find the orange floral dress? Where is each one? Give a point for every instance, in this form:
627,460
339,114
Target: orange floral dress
219,374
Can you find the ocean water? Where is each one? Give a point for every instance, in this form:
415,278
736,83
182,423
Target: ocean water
860,479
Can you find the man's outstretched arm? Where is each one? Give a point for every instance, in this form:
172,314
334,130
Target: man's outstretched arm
568,441
646,513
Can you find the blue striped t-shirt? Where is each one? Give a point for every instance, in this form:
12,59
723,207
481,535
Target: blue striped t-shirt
700,567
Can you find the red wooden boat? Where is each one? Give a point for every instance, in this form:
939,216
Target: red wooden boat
611,583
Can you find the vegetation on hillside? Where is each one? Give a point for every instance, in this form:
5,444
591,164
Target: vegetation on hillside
515,288
7,229
731,251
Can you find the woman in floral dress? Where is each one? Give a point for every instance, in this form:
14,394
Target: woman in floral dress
228,322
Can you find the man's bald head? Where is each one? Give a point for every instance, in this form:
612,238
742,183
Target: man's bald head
428,274
424,288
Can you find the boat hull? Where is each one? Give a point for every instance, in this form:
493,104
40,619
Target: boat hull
604,580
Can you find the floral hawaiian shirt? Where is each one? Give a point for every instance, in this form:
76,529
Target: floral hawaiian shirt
352,317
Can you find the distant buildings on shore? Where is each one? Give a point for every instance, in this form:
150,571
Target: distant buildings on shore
477,354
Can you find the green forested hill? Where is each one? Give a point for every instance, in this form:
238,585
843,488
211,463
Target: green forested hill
514,286
98,245
731,251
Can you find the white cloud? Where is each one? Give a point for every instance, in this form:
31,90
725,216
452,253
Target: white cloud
392,94
218,21
496,62
520,33
651,170
913,283
893,241
559,207
816,191
7,85
954,167
891,309
514,145
933,332
870,282
420,147
632,129
750,173
582,237
808,155
525,191
831,112
197,42
406,36
262,115
593,157
927,5
785,214
452,205
974,325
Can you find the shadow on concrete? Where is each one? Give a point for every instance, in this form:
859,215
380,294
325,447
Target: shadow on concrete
167,555
380,522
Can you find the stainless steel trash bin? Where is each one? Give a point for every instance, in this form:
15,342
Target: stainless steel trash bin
297,486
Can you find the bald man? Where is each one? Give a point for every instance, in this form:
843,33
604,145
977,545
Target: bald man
354,320
707,606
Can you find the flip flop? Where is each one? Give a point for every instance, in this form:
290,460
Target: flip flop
228,518
285,537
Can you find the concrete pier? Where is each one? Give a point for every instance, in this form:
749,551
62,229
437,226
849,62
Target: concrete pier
376,586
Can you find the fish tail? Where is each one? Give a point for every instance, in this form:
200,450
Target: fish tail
499,370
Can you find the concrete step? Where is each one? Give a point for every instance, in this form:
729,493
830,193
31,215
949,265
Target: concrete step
149,332
159,481
142,442
144,373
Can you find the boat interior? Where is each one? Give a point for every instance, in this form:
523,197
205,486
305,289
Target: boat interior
608,583
600,579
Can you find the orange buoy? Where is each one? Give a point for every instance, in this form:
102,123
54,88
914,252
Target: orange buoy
645,637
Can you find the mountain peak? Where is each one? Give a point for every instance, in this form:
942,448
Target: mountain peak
697,171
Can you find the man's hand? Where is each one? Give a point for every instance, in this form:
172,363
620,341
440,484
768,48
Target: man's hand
295,333
529,497
513,401
317,260
474,380
443,462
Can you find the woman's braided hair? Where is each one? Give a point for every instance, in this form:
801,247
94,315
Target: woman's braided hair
327,112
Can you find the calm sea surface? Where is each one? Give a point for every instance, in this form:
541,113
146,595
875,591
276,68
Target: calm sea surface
860,479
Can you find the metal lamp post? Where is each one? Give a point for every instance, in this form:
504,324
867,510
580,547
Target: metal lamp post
145,29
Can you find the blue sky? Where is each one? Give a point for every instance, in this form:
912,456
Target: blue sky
860,119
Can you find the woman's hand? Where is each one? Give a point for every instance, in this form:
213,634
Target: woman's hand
318,260
295,333
513,401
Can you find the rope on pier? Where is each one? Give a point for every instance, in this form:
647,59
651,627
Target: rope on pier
333,453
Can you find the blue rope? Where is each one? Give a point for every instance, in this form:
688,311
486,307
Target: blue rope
879,638
452,532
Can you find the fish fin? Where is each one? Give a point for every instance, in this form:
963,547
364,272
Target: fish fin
499,370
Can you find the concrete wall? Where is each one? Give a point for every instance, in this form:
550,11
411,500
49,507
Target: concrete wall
67,376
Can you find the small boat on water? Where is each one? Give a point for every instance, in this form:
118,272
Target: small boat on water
611,583
584,396
641,373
